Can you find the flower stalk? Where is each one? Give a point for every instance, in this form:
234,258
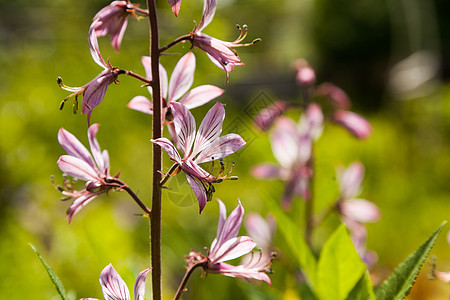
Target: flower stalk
155,223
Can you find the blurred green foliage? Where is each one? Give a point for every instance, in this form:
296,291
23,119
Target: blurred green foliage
407,159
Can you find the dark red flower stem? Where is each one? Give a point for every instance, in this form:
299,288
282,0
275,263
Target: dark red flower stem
176,41
172,170
155,223
188,274
137,76
117,183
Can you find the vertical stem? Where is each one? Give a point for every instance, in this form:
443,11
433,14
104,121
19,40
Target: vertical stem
309,207
155,223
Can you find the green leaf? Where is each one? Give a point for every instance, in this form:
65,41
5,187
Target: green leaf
295,240
398,285
339,267
363,289
56,282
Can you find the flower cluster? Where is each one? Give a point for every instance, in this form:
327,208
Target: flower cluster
227,246
80,164
204,146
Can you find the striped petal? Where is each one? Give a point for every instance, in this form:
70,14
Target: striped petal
182,77
77,168
114,288
210,128
184,126
221,147
74,147
201,95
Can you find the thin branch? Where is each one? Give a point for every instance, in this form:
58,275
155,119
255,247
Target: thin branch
174,42
188,274
137,76
172,170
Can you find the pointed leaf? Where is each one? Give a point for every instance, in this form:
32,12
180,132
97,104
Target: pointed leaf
55,280
339,267
363,289
295,240
398,285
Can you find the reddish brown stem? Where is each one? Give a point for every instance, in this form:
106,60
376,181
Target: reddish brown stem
174,42
188,274
155,224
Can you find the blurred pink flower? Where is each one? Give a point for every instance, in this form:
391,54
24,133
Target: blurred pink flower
336,95
354,123
114,288
265,118
359,210
220,52
261,230
80,164
292,147
305,74
204,146
94,91
113,20
355,212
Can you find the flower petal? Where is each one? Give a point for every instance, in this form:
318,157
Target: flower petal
209,9
232,224
182,77
260,230
169,148
114,288
184,126
142,104
200,95
79,203
74,148
95,148
354,123
210,128
285,142
232,248
163,79
269,171
77,168
240,271
360,210
139,286
93,46
199,191
175,4
221,147
350,180
222,219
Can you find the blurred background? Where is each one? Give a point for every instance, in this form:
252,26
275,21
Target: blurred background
391,57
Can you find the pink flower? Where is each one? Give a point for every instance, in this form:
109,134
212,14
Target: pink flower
355,212
265,118
227,246
179,85
336,95
94,91
113,20
114,288
204,146
292,147
220,52
354,123
80,164
261,230
359,210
